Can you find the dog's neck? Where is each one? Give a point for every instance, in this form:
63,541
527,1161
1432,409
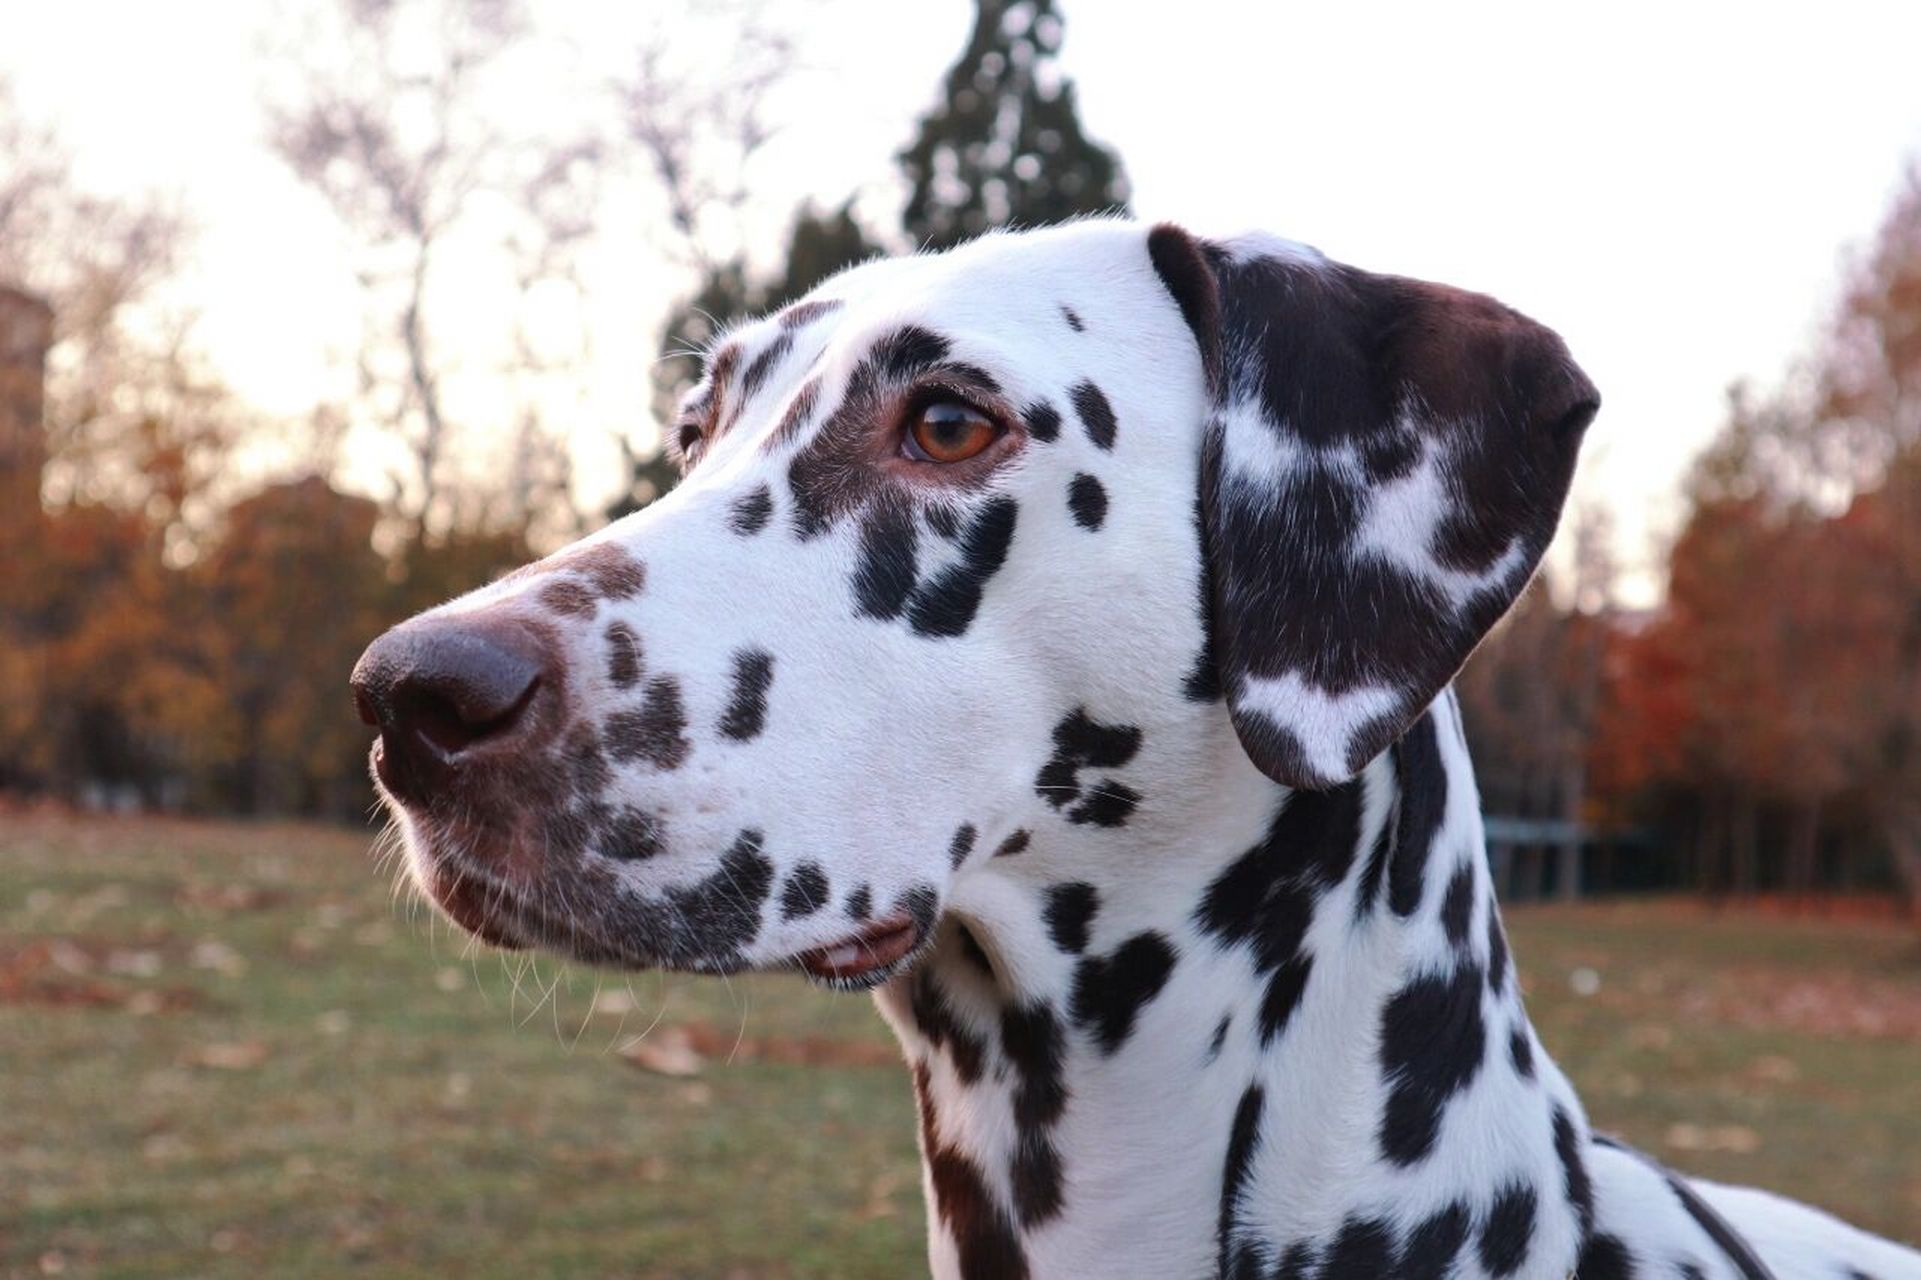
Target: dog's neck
1262,1028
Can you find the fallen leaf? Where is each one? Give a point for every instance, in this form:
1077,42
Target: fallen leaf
233,1055
667,1051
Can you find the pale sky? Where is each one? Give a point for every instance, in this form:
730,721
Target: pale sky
1673,187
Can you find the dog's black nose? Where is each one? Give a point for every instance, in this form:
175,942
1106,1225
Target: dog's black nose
447,693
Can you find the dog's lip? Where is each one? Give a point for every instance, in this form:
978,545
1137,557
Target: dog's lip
465,900
883,943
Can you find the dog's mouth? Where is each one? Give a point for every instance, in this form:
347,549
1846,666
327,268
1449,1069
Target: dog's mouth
864,957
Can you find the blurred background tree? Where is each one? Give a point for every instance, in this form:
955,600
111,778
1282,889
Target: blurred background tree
1004,146
1759,729
1001,146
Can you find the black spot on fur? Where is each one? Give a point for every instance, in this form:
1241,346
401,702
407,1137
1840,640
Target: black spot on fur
1423,782
1015,843
746,713
884,580
1604,1257
946,606
860,903
1203,682
700,925
630,836
921,905
1034,1047
1081,741
1219,1038
623,656
611,571
1692,1271
802,314
1095,414
1567,1147
1521,1050
1105,804
1431,1248
1367,894
1297,1263
1508,1231
936,1021
1069,912
1243,1141
1432,1040
1457,908
1364,1250
984,1235
1496,950
1073,319
805,893
1265,899
1111,990
1043,422
763,364
565,596
944,521
1087,500
751,511
961,845
657,733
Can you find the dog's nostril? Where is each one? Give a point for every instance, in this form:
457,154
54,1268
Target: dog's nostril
461,716
442,688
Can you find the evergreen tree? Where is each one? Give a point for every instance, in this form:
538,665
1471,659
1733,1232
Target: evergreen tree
1004,145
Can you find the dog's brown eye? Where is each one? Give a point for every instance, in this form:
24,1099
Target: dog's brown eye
948,431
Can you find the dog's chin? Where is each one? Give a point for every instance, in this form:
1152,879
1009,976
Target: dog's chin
520,917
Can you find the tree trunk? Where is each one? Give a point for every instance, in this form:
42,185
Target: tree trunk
1804,849
1743,842
1904,846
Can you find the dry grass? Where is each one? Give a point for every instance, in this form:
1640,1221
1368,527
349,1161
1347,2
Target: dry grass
227,1050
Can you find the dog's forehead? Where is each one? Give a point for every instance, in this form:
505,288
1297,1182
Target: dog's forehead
994,292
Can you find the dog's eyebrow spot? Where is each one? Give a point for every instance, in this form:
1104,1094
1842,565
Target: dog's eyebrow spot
1015,843
751,511
746,714
794,418
760,366
1087,500
1096,414
805,313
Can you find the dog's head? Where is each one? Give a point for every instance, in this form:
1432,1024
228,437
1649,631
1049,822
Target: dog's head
974,556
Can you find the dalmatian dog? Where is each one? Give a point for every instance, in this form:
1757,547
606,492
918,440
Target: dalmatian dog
1054,637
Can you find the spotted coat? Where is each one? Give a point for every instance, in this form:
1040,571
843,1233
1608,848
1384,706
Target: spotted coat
1117,758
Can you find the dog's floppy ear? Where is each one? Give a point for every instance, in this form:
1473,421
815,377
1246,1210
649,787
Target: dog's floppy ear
1384,465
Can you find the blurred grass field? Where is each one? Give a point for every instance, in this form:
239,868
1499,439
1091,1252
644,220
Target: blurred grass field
231,1050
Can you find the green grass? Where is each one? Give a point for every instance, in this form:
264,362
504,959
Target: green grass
227,1050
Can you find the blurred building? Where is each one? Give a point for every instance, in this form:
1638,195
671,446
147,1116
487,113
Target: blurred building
26,331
